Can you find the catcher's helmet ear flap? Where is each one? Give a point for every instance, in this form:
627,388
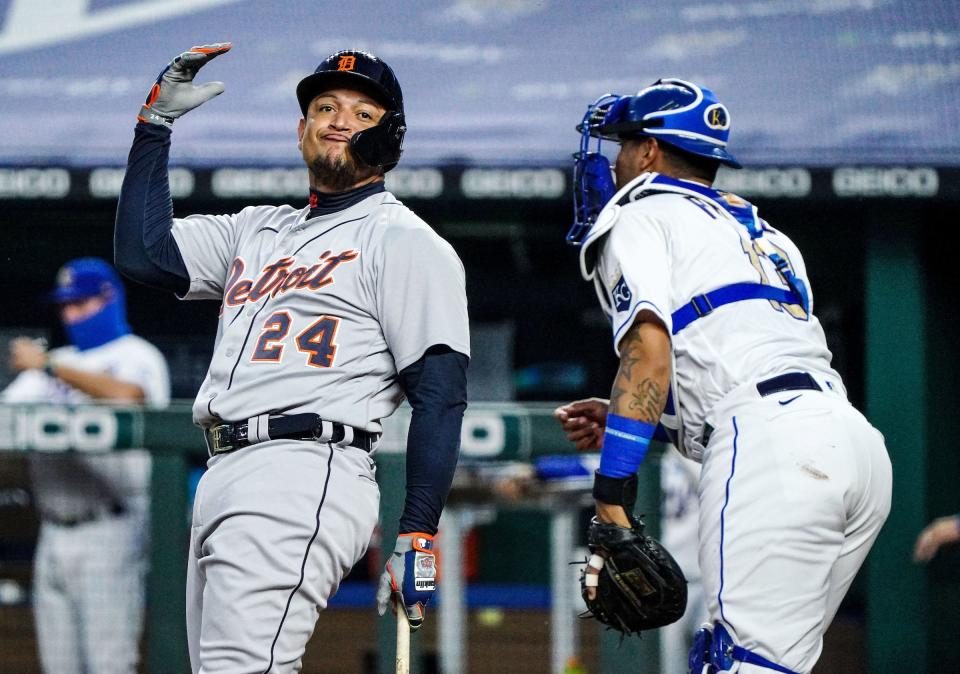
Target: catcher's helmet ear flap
380,145
673,111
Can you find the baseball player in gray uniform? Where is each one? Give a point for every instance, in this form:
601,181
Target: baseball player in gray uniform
712,319
330,314
91,557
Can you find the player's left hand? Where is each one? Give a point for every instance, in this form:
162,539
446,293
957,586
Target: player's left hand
27,354
606,514
174,94
410,575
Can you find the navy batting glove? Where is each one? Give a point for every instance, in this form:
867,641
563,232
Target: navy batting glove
174,94
410,575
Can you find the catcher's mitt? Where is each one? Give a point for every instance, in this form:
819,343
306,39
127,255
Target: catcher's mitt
640,586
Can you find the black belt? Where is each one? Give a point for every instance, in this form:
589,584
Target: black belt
111,510
229,436
792,381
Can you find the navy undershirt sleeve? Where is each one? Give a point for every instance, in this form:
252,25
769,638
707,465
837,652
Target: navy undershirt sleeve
436,386
143,245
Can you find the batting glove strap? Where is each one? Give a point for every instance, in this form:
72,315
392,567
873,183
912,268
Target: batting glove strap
174,94
411,575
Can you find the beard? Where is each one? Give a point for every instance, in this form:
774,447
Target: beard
338,173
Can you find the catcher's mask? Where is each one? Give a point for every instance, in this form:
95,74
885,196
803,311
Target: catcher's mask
593,184
677,112
380,145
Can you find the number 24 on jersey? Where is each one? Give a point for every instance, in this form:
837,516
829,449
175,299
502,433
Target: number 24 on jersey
316,341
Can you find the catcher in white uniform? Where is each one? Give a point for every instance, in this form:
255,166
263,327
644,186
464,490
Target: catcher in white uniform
712,320
91,557
330,313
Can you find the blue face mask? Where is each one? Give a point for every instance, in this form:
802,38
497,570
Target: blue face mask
593,184
104,326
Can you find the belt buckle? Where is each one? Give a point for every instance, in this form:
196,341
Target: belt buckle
220,439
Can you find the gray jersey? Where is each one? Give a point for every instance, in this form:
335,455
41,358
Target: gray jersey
320,315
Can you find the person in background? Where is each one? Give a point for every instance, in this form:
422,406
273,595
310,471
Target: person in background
91,557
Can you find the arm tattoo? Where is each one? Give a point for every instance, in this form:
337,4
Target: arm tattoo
635,392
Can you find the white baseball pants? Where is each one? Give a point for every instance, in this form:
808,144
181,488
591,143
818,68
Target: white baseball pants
794,490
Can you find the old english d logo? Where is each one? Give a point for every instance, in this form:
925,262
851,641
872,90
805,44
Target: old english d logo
347,63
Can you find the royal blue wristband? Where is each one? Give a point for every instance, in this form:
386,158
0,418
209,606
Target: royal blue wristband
625,443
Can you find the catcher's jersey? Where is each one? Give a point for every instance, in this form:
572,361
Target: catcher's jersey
320,314
663,250
72,485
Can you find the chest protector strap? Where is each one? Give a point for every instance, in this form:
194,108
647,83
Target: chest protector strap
744,214
702,305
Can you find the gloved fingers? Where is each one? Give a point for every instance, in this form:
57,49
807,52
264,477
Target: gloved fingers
209,90
415,613
387,589
198,57
212,50
174,94
384,592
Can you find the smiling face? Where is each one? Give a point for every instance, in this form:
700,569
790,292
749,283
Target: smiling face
332,119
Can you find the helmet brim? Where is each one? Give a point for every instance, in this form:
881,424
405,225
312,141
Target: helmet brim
627,130
313,85
702,149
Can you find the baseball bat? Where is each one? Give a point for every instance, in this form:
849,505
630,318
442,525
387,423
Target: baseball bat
403,641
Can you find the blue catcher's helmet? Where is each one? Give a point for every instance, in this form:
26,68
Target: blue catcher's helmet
673,111
680,113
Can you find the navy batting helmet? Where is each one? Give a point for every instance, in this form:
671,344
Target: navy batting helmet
677,112
379,145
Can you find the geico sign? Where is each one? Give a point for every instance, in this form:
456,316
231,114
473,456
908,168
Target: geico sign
482,434
54,429
258,182
34,183
887,182
513,183
105,183
426,183
770,182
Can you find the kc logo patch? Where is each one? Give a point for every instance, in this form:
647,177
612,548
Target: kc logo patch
347,63
622,295
716,117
